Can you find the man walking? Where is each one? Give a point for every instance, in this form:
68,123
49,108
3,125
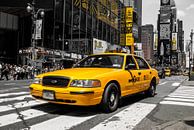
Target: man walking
5,72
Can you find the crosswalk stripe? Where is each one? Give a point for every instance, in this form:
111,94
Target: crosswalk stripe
177,103
176,84
15,98
13,94
21,105
126,119
163,83
14,117
179,99
60,123
182,96
11,89
7,84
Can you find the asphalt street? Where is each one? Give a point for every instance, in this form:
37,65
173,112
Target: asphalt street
169,109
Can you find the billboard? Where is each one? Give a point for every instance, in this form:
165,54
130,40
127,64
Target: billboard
155,46
129,14
165,17
165,31
129,39
129,26
165,2
38,29
174,41
99,46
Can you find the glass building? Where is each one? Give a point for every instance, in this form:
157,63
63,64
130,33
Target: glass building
69,28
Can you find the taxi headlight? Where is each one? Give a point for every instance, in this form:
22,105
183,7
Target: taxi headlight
37,81
85,83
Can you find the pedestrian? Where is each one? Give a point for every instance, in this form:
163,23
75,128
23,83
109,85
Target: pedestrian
5,72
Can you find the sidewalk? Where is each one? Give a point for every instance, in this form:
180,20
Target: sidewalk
185,124
188,83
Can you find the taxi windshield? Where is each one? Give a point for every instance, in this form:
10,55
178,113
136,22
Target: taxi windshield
101,61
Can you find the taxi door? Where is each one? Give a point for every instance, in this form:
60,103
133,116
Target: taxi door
133,85
144,72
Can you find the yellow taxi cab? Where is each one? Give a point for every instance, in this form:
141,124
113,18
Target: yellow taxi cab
167,72
97,79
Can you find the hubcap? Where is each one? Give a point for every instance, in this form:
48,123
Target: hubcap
112,99
152,90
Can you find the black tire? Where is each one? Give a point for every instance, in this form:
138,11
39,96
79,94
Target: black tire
110,99
152,90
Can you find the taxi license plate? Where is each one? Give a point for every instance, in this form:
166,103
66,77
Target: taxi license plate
48,95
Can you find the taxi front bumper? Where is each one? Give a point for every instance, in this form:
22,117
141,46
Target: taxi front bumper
68,95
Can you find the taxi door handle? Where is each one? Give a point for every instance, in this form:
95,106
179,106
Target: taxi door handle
150,72
139,73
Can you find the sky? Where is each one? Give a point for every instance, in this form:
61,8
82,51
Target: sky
185,12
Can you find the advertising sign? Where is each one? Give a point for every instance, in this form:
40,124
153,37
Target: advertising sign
99,46
129,14
174,41
155,46
122,39
162,49
165,31
165,17
38,29
129,39
129,26
165,2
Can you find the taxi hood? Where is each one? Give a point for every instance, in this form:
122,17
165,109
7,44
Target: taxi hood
82,73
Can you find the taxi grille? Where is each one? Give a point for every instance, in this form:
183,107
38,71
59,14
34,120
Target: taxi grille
55,81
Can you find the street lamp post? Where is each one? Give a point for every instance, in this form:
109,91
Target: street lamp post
34,16
190,53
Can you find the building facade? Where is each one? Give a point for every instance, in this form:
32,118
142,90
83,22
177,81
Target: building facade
69,29
147,41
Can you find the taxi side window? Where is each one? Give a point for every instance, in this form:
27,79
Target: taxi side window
142,64
130,61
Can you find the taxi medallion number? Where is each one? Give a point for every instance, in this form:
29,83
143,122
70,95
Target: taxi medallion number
49,95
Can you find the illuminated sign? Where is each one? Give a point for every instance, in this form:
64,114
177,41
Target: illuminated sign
165,31
129,14
174,41
155,41
99,46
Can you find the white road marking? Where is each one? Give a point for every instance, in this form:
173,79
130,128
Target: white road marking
126,119
10,89
16,98
163,83
14,117
177,103
8,84
21,105
13,94
179,99
60,123
182,96
176,84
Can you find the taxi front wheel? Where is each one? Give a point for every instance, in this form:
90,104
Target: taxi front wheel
110,99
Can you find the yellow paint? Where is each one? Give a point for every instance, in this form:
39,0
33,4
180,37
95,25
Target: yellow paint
104,75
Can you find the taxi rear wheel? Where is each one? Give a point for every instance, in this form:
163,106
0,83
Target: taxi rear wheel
110,99
152,90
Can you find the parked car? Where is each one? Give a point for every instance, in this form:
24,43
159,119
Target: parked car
98,79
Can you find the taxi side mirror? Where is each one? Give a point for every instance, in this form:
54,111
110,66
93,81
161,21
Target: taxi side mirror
130,66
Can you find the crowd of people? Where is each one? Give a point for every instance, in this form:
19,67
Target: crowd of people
21,72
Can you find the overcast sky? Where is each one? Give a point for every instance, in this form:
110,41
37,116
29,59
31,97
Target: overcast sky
185,12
